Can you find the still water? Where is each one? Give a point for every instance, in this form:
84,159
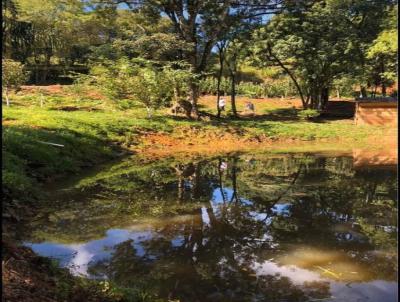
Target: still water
250,227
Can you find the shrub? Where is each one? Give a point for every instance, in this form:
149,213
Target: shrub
250,90
308,114
208,85
152,88
13,76
270,88
114,79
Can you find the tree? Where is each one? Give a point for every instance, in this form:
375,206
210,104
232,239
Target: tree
221,46
151,37
114,78
151,88
13,76
364,20
17,35
179,74
316,45
383,52
141,79
55,31
236,51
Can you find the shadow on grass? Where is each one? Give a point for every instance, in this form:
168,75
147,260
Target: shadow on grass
288,115
279,115
33,154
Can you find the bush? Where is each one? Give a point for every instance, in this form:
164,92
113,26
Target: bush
308,114
270,88
209,85
250,90
12,76
114,79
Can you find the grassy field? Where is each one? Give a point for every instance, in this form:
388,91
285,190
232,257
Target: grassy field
73,129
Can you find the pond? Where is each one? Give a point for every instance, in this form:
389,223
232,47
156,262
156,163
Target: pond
246,227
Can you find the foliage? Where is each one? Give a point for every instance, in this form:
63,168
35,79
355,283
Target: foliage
308,113
141,80
318,44
270,88
344,86
152,88
12,77
383,53
179,75
251,90
208,85
12,74
114,78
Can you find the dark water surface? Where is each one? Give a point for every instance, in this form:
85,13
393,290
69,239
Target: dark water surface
261,227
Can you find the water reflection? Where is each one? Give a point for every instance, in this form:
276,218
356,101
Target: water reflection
240,228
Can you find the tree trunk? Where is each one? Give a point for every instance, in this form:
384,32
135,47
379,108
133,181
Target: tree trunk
7,97
221,68
194,96
233,94
234,183
314,97
363,92
374,91
382,79
176,94
307,101
37,81
181,187
324,98
148,112
43,79
46,69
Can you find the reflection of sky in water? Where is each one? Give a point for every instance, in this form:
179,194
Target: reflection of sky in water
365,291
217,197
377,291
217,201
78,256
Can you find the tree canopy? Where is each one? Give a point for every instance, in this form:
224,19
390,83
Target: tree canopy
318,44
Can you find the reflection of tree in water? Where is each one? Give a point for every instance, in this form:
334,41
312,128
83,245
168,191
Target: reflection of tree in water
193,182
214,260
212,263
210,257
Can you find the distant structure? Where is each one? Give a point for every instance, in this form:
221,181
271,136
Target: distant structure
376,111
